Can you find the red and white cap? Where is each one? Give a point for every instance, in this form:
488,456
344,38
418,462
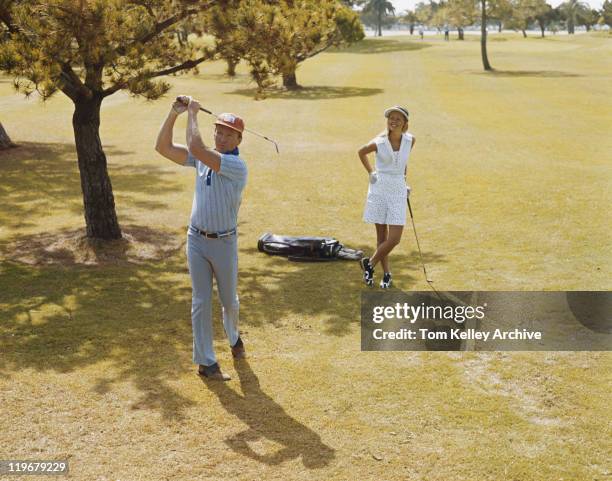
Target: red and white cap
230,120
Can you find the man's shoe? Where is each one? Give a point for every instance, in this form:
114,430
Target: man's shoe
386,281
213,372
368,271
238,349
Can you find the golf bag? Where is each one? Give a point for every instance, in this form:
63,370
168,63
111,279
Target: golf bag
306,249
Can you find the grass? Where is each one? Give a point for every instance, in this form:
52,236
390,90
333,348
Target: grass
510,180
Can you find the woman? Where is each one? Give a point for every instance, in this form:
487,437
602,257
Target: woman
387,193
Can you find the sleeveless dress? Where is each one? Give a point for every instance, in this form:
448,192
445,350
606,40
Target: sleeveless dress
387,197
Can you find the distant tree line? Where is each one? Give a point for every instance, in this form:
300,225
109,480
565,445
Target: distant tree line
519,15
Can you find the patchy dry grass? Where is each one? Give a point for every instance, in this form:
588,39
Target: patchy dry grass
511,178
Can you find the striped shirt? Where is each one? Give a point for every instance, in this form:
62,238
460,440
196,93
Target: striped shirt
217,195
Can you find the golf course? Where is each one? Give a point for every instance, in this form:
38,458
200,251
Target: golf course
510,179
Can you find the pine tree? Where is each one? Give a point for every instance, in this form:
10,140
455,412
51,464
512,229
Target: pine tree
88,50
274,38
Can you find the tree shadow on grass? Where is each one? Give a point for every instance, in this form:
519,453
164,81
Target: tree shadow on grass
373,46
224,78
268,420
278,289
61,319
528,73
38,178
133,314
35,178
311,92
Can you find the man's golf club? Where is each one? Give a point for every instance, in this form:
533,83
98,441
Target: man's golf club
429,281
248,130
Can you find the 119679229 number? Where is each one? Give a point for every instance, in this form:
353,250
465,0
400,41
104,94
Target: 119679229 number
33,467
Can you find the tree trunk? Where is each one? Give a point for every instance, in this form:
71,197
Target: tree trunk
570,26
483,36
588,27
524,33
460,33
98,200
5,141
500,27
231,67
182,36
411,28
290,81
542,27
379,24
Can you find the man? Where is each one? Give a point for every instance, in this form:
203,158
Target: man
212,239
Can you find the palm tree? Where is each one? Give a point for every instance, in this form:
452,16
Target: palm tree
606,13
380,8
5,142
571,9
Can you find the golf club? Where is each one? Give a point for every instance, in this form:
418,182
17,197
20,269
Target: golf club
248,130
429,281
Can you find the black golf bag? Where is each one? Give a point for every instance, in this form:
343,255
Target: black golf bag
306,249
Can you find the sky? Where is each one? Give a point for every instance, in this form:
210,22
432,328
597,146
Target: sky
402,5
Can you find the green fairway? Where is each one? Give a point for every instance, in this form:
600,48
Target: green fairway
511,180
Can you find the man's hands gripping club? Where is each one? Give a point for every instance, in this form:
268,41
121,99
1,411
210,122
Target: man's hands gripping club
164,144
184,103
178,153
180,104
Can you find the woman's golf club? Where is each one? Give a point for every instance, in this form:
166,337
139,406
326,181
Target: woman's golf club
248,130
429,281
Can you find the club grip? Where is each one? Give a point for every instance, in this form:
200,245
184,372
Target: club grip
178,99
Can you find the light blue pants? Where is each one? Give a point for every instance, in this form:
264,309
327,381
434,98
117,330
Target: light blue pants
208,257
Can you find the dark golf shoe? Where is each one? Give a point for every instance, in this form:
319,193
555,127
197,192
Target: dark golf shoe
386,281
368,271
213,372
238,349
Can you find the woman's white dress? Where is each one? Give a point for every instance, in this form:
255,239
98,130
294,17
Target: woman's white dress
387,197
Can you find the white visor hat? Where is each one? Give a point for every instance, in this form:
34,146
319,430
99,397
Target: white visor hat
397,108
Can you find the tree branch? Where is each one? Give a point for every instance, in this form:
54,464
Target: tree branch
72,85
177,68
163,25
7,19
183,66
301,58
